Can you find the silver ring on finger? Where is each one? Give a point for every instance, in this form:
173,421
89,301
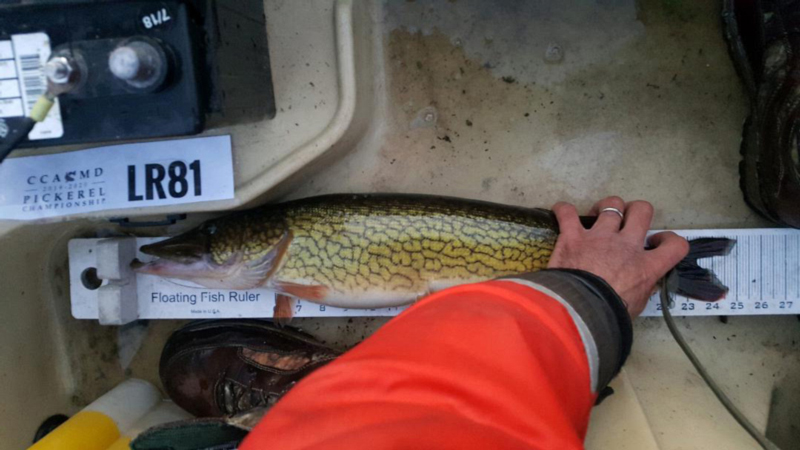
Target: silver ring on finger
614,210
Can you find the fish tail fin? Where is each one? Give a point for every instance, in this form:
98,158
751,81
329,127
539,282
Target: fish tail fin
695,282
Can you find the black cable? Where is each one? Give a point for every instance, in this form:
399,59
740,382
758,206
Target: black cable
762,440
16,134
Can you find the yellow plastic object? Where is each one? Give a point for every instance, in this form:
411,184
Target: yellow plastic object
163,413
86,430
41,108
102,422
123,443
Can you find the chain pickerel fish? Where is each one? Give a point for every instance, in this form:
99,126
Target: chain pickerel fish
375,250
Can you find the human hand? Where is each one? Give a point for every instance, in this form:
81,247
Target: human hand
613,248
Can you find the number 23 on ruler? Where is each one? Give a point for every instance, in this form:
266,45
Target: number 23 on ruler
165,181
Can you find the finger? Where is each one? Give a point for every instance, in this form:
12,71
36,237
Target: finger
609,220
669,249
567,217
638,217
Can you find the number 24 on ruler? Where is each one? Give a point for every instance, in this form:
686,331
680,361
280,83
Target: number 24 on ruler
161,182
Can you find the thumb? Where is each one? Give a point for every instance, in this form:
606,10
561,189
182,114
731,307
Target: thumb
669,249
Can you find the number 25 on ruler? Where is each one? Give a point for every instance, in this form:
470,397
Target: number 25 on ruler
161,182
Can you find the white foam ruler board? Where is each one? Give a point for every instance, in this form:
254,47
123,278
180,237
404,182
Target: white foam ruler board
762,272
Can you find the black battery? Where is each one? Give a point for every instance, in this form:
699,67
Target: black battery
139,69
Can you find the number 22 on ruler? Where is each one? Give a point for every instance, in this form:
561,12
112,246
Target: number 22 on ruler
161,182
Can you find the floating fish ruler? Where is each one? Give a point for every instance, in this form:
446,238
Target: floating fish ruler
762,272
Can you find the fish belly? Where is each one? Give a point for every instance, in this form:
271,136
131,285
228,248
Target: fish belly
374,297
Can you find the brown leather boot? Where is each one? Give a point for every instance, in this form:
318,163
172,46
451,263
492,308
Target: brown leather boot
764,41
224,367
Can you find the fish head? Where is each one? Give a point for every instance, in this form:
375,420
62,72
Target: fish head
222,253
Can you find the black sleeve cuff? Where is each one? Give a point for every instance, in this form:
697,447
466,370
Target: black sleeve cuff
601,309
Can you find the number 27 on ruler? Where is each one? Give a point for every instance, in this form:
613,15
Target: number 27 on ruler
165,181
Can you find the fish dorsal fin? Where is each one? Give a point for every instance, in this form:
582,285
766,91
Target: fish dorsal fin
256,272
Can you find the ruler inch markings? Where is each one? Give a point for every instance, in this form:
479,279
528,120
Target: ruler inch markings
757,272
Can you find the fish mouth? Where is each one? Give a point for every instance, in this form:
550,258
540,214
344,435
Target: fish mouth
185,257
160,267
192,271
187,248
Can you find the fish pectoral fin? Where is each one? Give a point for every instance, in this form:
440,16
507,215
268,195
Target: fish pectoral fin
254,273
313,292
284,310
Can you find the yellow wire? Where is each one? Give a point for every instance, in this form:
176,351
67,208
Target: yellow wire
41,108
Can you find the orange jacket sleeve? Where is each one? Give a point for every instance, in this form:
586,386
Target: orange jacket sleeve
502,364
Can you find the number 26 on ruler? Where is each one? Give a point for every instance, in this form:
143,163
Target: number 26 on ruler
175,180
